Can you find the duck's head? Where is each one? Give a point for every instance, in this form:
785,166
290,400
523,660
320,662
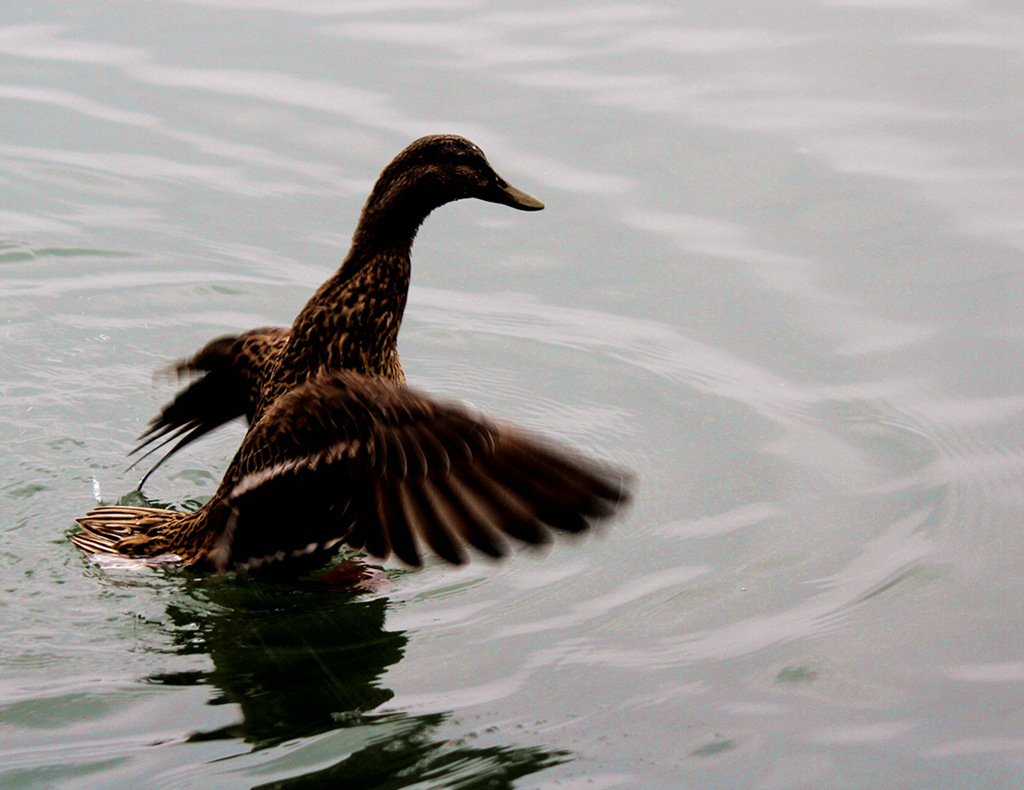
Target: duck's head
441,168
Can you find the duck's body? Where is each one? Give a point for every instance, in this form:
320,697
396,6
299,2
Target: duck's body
338,450
348,459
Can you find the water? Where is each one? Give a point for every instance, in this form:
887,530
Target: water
778,276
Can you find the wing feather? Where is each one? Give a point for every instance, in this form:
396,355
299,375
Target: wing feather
344,458
232,369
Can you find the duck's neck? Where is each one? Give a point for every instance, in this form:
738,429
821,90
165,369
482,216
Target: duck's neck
352,321
389,221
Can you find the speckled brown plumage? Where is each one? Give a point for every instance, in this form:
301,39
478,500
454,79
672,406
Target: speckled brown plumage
338,450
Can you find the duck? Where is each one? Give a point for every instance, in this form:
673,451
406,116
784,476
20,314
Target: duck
339,451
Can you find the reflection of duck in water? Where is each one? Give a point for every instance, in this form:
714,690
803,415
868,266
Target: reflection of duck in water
338,451
297,660
301,662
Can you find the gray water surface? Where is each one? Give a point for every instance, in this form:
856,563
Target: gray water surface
780,276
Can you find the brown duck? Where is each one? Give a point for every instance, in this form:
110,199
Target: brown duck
338,450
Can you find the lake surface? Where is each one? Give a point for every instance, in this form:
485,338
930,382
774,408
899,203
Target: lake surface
780,277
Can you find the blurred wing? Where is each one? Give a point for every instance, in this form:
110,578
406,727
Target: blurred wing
232,371
343,458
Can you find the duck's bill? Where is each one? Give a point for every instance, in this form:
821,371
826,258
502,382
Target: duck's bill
508,195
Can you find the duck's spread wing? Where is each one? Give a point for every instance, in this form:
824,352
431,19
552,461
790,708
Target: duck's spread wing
230,371
343,458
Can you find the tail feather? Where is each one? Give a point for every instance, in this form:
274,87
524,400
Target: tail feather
92,543
105,528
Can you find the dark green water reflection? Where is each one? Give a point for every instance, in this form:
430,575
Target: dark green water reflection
302,660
